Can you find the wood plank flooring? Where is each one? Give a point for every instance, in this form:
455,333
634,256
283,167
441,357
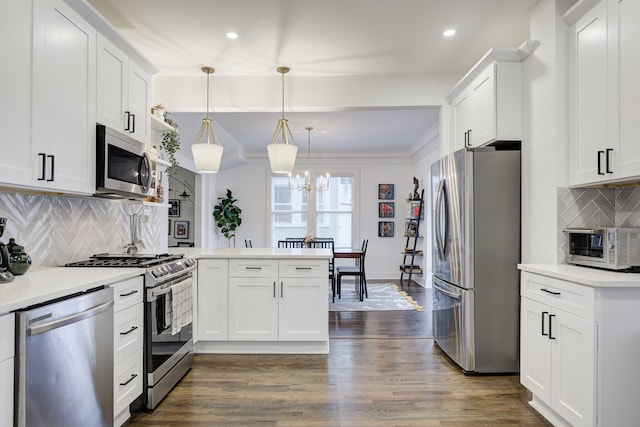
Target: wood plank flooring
383,370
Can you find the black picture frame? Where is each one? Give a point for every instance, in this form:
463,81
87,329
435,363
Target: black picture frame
386,228
181,229
174,208
386,209
386,192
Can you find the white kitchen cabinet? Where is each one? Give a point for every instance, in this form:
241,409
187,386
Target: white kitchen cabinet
123,92
128,341
212,300
7,331
64,99
489,107
604,65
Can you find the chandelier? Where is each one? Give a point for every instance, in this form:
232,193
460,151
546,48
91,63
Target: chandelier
207,155
306,185
282,149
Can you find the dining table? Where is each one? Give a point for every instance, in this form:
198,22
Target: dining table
347,253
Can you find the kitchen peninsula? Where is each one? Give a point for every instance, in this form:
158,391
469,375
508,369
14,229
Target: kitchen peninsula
261,300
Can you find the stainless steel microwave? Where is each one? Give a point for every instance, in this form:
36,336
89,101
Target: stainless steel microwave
125,167
611,248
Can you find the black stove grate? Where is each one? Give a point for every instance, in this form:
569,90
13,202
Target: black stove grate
124,260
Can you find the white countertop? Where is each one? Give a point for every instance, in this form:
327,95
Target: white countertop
585,275
38,286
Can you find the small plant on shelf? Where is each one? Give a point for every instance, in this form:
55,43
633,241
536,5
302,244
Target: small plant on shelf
171,144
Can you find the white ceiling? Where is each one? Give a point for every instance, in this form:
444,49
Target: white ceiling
320,38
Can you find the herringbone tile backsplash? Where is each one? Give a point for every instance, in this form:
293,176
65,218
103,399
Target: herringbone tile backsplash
596,207
55,230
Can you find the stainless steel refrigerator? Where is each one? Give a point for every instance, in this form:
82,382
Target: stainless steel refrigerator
476,235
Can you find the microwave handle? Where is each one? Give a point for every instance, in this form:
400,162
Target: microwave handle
584,230
146,164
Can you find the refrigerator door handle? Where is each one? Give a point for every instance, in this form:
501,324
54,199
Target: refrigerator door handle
441,241
446,292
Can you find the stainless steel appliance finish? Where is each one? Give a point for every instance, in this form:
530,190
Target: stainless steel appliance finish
124,167
64,365
610,248
476,198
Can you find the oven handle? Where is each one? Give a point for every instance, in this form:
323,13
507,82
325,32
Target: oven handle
166,287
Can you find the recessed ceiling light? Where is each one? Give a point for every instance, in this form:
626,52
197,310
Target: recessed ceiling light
232,35
448,33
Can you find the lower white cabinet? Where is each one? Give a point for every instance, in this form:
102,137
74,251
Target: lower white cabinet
7,346
578,351
128,340
212,299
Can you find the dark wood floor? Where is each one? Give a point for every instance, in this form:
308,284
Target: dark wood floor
383,370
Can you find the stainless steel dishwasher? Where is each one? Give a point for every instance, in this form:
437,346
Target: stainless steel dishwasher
64,366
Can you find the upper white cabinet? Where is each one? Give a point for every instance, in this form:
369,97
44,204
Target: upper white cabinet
604,64
487,105
123,92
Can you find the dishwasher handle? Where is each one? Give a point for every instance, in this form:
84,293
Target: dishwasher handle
45,327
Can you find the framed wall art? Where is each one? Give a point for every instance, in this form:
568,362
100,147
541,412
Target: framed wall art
180,229
385,228
386,209
386,192
174,208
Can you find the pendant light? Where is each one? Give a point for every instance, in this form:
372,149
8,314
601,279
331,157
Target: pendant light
207,155
282,150
324,186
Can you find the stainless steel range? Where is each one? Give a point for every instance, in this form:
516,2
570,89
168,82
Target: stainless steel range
168,346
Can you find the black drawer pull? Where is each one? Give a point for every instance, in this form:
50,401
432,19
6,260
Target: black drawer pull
133,328
133,377
550,292
303,268
253,268
135,291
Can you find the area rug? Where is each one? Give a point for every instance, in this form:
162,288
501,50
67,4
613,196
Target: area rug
382,297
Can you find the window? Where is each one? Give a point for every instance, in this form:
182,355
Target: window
322,214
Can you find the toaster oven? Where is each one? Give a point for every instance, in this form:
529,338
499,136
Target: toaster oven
611,248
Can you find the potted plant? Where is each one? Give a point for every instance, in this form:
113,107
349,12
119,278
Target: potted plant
158,111
227,216
171,144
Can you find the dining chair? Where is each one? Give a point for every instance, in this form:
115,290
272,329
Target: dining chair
291,243
327,243
247,243
358,271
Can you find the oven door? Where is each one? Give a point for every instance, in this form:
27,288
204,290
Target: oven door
168,353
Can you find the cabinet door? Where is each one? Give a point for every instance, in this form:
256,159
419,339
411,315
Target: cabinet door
64,98
483,124
304,309
462,117
6,392
589,99
624,47
573,368
535,349
138,105
112,84
15,87
212,300
253,309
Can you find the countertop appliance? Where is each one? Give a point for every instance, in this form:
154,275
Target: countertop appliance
476,230
610,248
64,364
5,274
168,347
124,167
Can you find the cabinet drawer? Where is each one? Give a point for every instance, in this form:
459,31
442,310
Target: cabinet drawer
568,296
127,293
304,268
253,268
127,331
7,331
127,385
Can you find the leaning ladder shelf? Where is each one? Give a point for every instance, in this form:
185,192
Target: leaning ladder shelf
412,233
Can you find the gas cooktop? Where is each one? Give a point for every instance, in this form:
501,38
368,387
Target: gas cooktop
126,260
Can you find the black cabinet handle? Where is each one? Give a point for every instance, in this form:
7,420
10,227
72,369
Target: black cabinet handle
133,328
44,166
542,328
281,290
129,293
551,316
274,289
600,153
133,377
133,128
608,160
53,164
128,113
550,292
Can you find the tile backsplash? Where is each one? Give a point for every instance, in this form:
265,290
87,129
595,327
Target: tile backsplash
55,230
596,207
